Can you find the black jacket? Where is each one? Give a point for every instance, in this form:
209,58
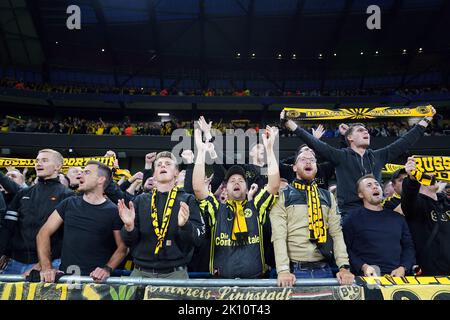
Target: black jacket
26,214
422,214
114,192
350,166
10,187
179,242
2,207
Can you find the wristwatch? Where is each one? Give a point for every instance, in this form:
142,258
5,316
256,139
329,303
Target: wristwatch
427,119
107,268
345,266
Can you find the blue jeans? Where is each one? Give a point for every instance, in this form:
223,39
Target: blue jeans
16,267
311,273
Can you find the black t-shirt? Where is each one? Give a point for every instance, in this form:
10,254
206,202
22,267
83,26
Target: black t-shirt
88,233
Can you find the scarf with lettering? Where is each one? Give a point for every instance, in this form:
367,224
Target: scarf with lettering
161,229
317,229
428,169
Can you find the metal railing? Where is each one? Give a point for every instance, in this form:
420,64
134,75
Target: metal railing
184,283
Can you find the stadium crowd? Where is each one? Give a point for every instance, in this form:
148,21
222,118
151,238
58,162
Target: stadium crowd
260,219
210,92
75,125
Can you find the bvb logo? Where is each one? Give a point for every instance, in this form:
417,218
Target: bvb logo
250,175
422,110
347,293
248,213
292,114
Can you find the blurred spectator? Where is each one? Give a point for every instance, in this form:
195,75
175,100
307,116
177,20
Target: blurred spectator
128,131
102,89
72,125
427,213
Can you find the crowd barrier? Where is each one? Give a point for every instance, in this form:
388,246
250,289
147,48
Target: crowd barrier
127,288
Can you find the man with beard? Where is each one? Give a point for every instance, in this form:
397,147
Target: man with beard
236,227
303,221
378,240
92,226
28,212
163,226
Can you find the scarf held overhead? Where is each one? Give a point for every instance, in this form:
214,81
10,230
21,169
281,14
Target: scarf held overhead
357,113
68,162
428,169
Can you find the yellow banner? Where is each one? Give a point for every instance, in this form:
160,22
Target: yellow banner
68,162
64,291
356,113
439,166
410,281
431,292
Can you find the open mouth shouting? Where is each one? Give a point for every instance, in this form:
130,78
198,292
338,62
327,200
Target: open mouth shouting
376,194
308,169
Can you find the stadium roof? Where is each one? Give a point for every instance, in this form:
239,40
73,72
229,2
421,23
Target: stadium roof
207,39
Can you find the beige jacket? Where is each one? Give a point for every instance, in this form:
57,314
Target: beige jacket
290,234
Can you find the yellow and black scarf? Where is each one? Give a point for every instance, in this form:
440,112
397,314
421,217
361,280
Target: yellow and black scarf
240,231
161,229
317,229
357,113
429,169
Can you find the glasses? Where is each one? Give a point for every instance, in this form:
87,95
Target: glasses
305,160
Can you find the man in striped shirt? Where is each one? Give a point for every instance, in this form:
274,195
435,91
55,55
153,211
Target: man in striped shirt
236,249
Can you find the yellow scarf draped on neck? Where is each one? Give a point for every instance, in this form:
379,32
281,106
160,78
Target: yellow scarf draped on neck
240,231
317,229
161,228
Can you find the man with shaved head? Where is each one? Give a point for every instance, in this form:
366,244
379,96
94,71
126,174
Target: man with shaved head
28,212
378,239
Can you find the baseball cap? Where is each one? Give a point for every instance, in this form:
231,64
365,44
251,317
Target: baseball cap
397,173
236,169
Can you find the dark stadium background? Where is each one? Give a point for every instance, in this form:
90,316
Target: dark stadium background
272,48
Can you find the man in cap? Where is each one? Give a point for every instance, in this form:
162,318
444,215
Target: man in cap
394,202
237,249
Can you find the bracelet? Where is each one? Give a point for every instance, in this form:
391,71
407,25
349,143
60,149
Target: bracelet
427,120
107,268
345,266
